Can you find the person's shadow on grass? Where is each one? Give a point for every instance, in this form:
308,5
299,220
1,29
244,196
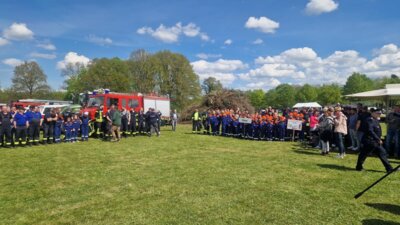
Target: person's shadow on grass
394,209
378,222
343,168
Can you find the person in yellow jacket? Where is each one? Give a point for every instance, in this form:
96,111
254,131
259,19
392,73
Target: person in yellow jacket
98,120
196,121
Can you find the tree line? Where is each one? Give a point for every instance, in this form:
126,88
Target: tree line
168,73
286,95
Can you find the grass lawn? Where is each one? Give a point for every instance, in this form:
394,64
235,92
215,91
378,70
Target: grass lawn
181,178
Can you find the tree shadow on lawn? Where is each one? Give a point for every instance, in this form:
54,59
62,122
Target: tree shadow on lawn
344,168
394,209
378,222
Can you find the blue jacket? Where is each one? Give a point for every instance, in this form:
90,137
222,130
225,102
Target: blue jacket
20,119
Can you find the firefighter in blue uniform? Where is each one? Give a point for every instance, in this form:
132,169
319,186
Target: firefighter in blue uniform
141,124
85,127
21,126
35,122
58,128
5,130
372,141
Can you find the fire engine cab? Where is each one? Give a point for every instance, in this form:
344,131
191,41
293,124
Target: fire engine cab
135,101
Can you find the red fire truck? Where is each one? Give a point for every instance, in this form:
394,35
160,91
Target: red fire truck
128,101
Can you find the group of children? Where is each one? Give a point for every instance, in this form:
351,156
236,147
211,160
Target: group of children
268,124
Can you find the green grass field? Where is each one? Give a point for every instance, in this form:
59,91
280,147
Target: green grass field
181,178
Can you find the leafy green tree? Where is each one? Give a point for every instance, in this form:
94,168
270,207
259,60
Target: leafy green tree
307,93
143,71
29,78
329,94
211,84
381,82
284,96
257,98
176,78
357,82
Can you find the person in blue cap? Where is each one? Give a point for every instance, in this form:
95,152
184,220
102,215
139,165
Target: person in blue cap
21,125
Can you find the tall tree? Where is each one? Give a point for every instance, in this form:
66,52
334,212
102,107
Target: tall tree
176,78
307,93
329,94
29,78
284,96
357,82
211,84
257,98
143,69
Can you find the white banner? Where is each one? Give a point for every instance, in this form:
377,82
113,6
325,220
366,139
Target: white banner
294,125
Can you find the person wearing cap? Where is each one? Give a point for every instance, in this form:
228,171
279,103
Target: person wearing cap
372,142
21,125
85,127
340,130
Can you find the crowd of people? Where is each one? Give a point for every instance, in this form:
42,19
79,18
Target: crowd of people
353,128
20,127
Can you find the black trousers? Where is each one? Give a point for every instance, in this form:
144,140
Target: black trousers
5,131
153,126
34,131
20,135
369,147
124,126
132,126
48,131
97,128
142,126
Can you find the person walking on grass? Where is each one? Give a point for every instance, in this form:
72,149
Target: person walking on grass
174,119
372,142
340,130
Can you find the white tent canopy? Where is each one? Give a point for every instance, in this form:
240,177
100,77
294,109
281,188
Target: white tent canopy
307,105
390,90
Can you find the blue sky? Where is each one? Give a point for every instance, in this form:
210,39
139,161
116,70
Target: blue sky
245,44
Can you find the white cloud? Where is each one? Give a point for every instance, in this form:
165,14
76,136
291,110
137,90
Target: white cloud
258,41
43,55
99,40
228,42
222,69
13,62
207,56
172,34
303,65
47,46
316,7
73,58
267,84
18,32
262,24
3,41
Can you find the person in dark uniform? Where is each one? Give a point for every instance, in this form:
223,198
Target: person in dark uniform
35,122
141,124
21,126
372,141
13,130
5,130
159,114
132,122
125,117
48,127
152,118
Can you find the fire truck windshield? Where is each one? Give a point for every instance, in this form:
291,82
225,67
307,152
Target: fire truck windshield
96,101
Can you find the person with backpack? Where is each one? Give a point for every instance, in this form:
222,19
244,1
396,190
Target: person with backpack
325,128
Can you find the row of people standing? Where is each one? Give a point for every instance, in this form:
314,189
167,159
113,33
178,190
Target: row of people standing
20,127
268,124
